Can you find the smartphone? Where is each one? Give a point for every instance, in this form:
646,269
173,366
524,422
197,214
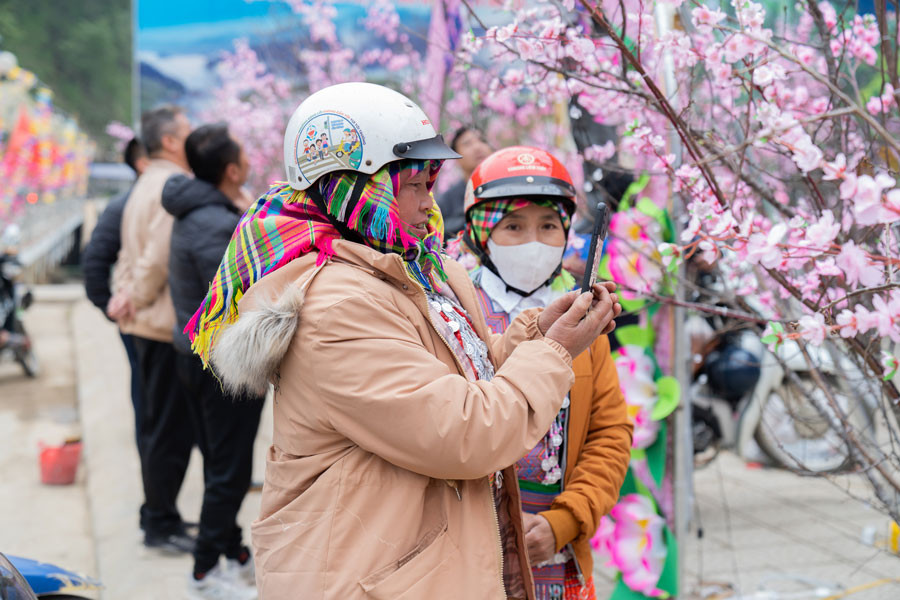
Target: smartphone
595,251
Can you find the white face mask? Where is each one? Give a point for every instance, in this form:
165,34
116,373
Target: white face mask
525,266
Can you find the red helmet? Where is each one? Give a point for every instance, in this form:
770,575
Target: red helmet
520,171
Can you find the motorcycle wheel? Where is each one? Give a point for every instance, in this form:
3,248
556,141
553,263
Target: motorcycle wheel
800,431
26,358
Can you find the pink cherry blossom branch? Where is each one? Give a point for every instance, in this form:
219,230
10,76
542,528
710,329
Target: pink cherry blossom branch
723,152
705,308
887,386
862,114
854,293
690,144
848,434
552,68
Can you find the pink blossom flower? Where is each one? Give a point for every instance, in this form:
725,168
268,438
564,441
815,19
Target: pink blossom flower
867,201
813,329
766,74
835,170
705,19
867,54
829,15
857,267
513,77
828,268
635,371
865,320
669,253
634,543
579,48
821,234
737,47
600,154
884,103
807,157
835,44
848,324
763,249
120,132
890,212
529,49
886,321
848,186
501,34
818,106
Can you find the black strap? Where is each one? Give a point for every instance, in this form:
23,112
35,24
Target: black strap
346,233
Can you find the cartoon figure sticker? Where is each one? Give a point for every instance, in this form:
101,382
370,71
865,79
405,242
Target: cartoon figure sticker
327,142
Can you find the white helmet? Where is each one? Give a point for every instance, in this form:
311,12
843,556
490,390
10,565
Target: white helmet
357,127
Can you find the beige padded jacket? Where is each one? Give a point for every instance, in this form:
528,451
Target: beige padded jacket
142,268
376,484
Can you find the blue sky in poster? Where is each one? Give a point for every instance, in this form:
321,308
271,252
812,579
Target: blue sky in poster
179,42
153,14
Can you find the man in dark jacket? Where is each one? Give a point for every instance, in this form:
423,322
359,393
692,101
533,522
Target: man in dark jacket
99,257
470,143
207,210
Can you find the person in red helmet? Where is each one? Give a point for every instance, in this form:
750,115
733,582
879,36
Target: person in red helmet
519,203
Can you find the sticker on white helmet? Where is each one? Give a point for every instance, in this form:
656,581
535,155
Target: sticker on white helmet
328,142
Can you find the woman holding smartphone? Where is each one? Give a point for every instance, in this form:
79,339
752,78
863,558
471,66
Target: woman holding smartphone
519,204
393,401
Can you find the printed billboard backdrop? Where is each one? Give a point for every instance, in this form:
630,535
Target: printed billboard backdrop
178,44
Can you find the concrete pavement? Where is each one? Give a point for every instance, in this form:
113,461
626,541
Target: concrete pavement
126,567
49,523
767,534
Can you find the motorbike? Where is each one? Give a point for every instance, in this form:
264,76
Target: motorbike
14,300
26,579
754,401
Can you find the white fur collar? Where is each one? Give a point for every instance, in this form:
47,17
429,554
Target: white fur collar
247,354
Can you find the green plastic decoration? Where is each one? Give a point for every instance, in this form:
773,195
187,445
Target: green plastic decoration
634,335
668,393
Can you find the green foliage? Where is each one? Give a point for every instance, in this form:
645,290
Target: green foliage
81,50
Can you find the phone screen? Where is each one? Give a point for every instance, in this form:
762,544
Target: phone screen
595,251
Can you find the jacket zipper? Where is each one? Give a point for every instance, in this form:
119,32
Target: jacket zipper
490,491
499,538
562,484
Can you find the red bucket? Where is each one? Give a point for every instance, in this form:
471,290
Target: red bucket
59,463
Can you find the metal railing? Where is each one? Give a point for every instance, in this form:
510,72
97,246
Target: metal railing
49,234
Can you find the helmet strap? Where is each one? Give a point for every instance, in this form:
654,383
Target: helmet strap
489,264
345,231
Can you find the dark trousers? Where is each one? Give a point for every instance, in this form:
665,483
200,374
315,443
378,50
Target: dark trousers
226,428
128,342
166,436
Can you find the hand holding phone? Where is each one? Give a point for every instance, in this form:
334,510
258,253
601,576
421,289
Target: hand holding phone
595,250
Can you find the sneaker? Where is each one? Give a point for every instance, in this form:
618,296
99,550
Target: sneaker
217,584
179,542
243,572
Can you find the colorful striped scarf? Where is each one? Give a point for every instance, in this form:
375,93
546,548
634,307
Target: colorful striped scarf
285,224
